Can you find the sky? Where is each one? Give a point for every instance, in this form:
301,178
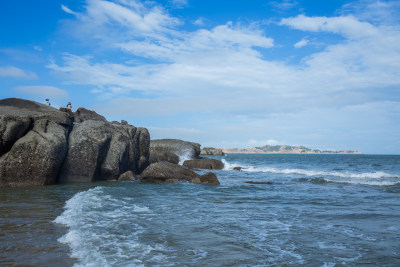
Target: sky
237,73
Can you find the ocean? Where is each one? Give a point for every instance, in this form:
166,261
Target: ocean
302,210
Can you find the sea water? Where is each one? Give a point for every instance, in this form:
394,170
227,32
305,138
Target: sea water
312,210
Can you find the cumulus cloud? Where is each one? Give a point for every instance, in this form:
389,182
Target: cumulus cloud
42,91
14,72
226,69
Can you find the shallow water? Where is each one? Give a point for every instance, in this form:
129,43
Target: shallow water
320,210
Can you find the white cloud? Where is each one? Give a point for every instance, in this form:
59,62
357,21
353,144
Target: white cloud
348,26
271,142
42,91
199,22
225,70
15,72
303,42
67,10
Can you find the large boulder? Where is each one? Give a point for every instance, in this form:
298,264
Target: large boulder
208,178
99,150
161,150
166,172
36,158
41,145
210,151
204,163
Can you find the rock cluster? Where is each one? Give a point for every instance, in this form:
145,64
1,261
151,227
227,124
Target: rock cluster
40,145
166,154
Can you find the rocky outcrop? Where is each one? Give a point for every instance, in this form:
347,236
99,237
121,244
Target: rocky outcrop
165,149
208,178
40,145
210,151
204,163
166,172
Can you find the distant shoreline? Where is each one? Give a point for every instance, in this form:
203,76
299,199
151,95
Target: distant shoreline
284,149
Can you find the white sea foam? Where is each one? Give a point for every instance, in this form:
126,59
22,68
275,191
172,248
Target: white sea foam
185,155
102,231
378,178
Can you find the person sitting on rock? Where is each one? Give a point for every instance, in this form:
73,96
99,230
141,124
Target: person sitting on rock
48,102
69,105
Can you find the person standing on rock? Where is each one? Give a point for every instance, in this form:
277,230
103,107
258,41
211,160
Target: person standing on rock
69,105
48,102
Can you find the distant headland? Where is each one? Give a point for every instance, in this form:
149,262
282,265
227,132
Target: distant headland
284,149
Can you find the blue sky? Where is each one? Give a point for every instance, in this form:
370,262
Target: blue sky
323,74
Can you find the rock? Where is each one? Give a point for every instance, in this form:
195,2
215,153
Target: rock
166,172
251,182
210,151
204,163
100,150
41,145
183,149
127,176
237,168
208,178
158,156
36,158
83,114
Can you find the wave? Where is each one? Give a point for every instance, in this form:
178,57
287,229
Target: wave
367,178
102,229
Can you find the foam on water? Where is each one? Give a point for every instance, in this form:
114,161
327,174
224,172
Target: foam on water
102,230
378,178
185,155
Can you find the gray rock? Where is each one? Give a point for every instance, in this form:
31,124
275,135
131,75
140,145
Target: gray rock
127,176
158,156
183,149
83,114
41,145
100,150
210,151
204,163
165,172
208,178
36,158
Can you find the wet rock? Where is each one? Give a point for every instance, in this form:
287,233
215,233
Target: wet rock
127,176
252,182
237,168
204,163
166,172
208,178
